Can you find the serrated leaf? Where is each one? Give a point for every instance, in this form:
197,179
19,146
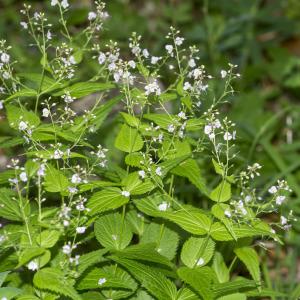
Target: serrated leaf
91,258
55,180
106,200
9,208
128,139
222,192
28,254
48,238
53,280
251,260
197,251
165,239
154,282
220,268
112,231
26,92
8,293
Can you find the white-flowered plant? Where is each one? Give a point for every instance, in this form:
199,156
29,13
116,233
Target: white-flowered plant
126,184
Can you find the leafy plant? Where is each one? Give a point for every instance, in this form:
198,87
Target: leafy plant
86,221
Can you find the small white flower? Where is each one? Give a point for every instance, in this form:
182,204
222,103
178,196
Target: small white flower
248,198
5,58
92,15
58,154
101,281
125,194
208,129
279,200
24,25
200,261
182,115
158,171
283,220
192,63
67,249
33,265
76,179
152,88
142,174
223,73
54,2
179,41
145,53
1,104
41,170
49,35
171,128
101,58
64,4
154,60
227,213
72,190
45,112
80,230
187,86
169,49
163,206
227,136
272,190
23,177
23,125
131,64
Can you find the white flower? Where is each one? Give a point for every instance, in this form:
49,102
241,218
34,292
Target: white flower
41,170
200,261
76,179
66,223
54,2
163,206
158,171
182,115
131,64
1,104
23,125
283,220
101,58
272,190
46,112
192,63
23,177
145,53
142,174
24,25
49,35
152,88
5,58
92,15
169,49
101,281
58,154
155,59
125,194
72,60
223,73
248,198
33,265
80,230
227,136
64,4
171,128
208,129
227,213
187,86
179,41
72,190
279,200
67,249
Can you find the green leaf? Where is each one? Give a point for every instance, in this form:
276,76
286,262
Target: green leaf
26,92
16,114
47,238
197,251
218,168
200,279
9,207
165,239
186,294
133,184
91,258
3,276
131,120
53,280
81,89
153,281
144,252
220,268
112,231
250,259
55,180
236,296
128,139
106,200
222,192
28,254
9,293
